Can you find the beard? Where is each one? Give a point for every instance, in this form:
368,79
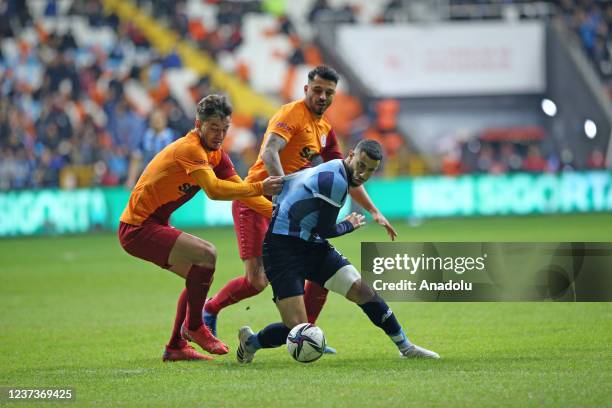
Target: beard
353,184
349,173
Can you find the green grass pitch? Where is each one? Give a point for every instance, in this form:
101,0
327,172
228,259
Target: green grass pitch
79,312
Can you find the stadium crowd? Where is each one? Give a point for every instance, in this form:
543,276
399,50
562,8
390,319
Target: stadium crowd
81,104
70,114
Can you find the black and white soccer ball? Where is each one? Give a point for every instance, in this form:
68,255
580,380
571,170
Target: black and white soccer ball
306,343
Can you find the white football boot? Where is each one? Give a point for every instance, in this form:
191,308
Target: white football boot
243,355
415,351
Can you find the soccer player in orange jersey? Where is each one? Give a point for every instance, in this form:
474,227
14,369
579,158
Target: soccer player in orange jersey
172,178
298,136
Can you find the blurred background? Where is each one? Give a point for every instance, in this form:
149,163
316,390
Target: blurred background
493,107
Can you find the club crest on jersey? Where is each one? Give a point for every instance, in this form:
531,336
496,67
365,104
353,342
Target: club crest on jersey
323,140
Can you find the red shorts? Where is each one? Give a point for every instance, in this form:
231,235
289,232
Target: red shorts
150,241
251,228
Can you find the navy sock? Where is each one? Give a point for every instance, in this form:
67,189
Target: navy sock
381,315
273,335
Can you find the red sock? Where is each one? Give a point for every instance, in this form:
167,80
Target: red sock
233,292
315,296
176,341
198,282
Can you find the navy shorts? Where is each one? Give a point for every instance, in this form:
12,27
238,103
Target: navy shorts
288,261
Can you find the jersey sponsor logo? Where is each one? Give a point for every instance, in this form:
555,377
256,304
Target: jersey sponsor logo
184,188
308,153
282,125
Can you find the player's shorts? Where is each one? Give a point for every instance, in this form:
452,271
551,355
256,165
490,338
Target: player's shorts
251,228
150,241
288,261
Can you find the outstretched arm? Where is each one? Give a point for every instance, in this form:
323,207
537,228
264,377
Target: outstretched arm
360,195
217,189
259,203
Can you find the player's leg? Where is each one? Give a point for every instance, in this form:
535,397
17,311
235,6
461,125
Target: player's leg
195,260
382,316
154,242
235,290
250,228
286,260
341,277
177,348
274,335
315,297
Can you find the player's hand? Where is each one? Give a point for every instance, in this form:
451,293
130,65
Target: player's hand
381,220
272,185
357,220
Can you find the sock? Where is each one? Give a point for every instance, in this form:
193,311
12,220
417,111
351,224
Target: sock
273,335
253,343
382,316
233,292
315,296
401,341
176,341
197,283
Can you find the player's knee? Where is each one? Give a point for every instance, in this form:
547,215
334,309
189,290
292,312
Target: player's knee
258,281
255,274
361,292
207,255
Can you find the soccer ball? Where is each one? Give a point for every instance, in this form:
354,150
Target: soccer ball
306,343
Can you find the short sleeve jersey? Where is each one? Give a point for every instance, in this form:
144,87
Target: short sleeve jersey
306,136
166,183
296,211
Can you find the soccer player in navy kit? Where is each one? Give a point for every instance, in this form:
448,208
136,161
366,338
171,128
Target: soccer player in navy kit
296,249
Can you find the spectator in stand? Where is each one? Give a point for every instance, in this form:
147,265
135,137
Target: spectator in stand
534,162
596,160
509,157
126,126
155,138
318,8
567,160
486,162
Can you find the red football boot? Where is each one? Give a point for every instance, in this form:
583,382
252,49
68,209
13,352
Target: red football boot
204,338
186,353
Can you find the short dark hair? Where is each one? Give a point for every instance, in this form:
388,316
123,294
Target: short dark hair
371,147
324,72
213,105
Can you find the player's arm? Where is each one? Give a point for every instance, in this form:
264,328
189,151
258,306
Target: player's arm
259,203
326,225
360,195
217,189
270,154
